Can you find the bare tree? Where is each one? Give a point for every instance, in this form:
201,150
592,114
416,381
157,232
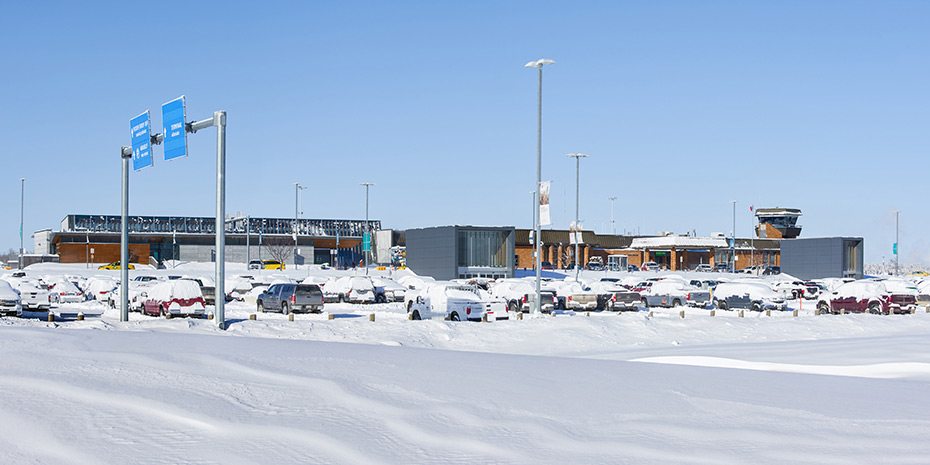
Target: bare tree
280,248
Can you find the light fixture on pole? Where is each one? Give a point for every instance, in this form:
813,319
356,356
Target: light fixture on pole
538,64
367,228
297,189
22,203
577,238
613,229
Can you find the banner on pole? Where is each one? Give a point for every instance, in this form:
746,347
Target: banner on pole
544,219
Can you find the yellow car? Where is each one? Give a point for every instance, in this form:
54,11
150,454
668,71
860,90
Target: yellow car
272,265
114,266
919,273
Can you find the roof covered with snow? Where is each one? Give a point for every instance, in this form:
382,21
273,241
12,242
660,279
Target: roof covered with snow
679,242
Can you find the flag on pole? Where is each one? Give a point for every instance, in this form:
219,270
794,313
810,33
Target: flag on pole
750,208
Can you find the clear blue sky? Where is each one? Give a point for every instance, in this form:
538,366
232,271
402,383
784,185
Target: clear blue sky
682,107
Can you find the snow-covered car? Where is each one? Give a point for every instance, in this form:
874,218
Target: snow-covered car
866,296
572,295
137,294
750,296
392,291
10,303
288,298
650,266
674,293
174,298
99,288
520,294
451,301
703,268
31,293
63,291
353,289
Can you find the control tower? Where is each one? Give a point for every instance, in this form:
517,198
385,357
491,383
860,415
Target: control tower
778,223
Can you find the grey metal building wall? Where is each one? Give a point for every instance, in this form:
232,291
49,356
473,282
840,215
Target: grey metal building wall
822,257
236,254
432,252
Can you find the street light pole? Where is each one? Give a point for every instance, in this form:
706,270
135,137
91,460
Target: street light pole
613,229
577,157
297,189
733,241
538,64
896,245
22,210
367,228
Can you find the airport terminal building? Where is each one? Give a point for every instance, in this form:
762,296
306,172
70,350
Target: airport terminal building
154,239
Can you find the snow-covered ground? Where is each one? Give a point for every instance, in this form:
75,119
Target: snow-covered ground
571,388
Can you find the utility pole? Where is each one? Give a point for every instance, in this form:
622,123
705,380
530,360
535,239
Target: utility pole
613,229
22,210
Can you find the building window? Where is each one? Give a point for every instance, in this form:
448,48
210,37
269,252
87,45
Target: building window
482,248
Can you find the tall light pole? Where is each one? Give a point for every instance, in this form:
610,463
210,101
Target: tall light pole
577,157
896,256
613,229
538,64
367,228
297,189
733,241
22,203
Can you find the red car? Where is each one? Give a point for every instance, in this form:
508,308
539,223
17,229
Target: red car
866,296
174,298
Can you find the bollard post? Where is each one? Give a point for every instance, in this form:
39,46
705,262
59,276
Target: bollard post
371,317
913,310
650,314
681,313
51,317
410,316
210,316
332,316
252,317
713,313
520,316
768,313
290,317
484,318
587,313
794,313
80,316
842,311
740,313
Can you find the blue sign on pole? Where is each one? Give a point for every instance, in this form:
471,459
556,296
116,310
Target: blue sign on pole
173,115
141,141
366,242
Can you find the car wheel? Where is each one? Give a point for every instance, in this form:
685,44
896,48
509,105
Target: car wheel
261,307
416,314
454,316
755,307
285,308
514,307
676,303
645,303
722,304
875,308
342,299
824,307
379,299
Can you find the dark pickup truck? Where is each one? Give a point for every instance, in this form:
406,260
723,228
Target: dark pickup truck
619,300
288,298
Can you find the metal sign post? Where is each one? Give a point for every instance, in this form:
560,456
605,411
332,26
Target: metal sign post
175,139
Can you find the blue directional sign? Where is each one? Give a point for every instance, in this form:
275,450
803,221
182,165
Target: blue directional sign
173,115
141,141
366,242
